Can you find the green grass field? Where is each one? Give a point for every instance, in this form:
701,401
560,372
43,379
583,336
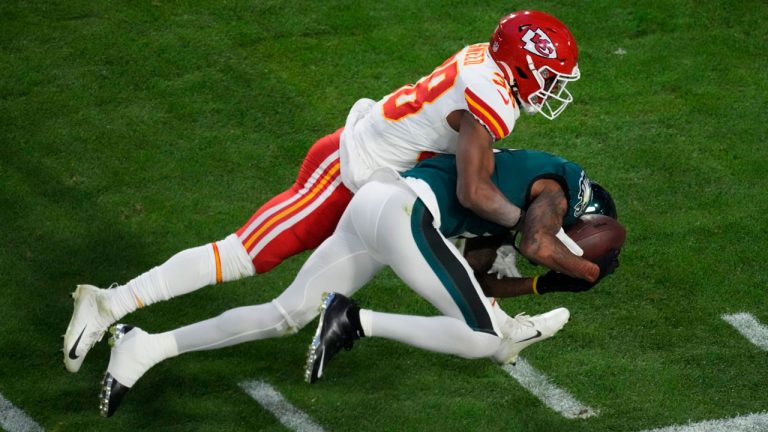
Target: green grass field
132,130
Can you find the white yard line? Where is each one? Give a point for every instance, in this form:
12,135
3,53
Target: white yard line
550,394
13,419
290,416
745,423
750,327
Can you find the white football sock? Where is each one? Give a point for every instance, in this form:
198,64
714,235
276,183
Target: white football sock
439,334
366,321
137,353
187,271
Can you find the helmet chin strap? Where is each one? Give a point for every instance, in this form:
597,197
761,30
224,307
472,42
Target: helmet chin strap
534,72
507,71
528,108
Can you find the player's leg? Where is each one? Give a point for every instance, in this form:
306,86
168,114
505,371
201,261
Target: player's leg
407,240
96,309
302,217
296,220
402,235
341,263
384,215
434,268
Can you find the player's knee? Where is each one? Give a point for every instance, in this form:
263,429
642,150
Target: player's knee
295,317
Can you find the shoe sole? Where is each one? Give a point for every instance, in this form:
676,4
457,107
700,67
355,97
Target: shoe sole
73,365
314,368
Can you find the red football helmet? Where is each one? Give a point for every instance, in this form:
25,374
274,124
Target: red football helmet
538,56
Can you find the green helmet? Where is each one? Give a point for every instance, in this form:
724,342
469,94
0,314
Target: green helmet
601,202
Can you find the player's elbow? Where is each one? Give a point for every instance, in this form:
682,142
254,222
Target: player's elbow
469,197
535,250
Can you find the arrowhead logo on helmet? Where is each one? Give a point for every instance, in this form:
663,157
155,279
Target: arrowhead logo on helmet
537,42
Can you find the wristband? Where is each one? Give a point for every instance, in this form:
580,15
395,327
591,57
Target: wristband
535,282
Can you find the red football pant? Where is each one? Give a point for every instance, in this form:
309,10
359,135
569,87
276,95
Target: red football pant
303,216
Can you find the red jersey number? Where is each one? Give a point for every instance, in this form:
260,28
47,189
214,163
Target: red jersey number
410,99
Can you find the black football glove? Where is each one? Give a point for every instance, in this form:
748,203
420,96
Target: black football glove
553,281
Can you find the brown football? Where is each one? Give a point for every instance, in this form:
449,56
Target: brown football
596,234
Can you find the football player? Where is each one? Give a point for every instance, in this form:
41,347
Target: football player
466,104
403,223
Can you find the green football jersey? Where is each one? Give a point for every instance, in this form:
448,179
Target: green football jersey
514,174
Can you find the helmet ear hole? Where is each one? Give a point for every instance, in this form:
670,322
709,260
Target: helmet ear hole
521,73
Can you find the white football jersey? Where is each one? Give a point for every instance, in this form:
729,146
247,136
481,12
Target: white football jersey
412,122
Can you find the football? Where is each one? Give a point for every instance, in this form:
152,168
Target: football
596,234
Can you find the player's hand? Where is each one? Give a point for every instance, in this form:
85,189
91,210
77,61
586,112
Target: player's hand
553,281
505,264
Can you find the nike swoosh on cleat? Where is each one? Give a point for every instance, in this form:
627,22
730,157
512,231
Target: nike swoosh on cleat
538,334
72,354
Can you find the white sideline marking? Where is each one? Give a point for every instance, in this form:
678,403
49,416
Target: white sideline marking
13,419
291,417
750,327
746,423
552,396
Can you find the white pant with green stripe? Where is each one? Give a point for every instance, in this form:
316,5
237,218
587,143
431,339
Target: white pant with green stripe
384,225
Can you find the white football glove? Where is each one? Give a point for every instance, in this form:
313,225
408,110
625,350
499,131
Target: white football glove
505,264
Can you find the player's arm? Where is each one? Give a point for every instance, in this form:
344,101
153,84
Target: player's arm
542,222
506,287
480,253
475,163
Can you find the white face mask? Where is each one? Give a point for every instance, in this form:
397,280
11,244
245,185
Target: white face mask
553,97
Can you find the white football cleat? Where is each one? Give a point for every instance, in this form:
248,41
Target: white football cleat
90,320
523,330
